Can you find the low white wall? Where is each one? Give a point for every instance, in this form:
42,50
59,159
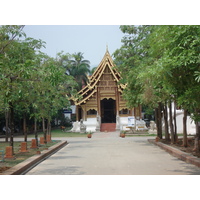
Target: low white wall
191,128
123,123
91,124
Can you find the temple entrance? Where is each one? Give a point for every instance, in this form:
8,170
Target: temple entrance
108,111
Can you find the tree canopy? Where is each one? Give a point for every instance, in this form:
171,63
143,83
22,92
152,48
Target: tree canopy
163,63
32,82
76,66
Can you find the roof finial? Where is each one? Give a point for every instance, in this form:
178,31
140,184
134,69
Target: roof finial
106,47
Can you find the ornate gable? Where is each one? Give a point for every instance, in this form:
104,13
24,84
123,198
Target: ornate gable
104,80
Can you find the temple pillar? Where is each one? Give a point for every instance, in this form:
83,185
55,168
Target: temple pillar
98,125
117,121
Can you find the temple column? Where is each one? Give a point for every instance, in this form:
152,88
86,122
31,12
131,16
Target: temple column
84,113
117,109
77,113
98,102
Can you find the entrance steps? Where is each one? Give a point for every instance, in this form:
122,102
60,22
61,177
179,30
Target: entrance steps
108,127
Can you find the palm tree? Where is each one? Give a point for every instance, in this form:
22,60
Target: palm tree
79,69
93,70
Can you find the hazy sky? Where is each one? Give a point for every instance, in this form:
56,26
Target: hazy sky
88,39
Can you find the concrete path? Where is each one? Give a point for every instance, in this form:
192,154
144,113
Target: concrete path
108,154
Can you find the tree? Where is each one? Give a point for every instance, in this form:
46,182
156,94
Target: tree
163,62
31,82
79,69
143,85
8,34
16,69
93,70
181,60
52,91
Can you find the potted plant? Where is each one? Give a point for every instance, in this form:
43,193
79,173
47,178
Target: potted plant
122,134
89,135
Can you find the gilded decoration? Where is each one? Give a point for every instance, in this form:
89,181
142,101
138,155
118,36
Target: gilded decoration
109,97
123,107
91,108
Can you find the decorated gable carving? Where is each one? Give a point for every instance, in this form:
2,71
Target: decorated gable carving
103,84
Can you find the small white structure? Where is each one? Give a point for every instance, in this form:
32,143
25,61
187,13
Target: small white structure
140,125
127,123
152,129
191,128
76,127
91,125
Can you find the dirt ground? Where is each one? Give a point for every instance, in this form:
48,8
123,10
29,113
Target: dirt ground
19,156
2,169
179,146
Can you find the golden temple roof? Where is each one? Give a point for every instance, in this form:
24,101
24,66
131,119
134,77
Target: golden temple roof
91,87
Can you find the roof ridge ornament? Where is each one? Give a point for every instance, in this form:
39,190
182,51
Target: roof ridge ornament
107,54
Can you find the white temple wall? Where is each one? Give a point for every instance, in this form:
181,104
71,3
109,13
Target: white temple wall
191,128
91,124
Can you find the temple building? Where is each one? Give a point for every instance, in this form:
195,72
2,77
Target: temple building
102,107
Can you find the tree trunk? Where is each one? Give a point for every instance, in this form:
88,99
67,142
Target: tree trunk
171,123
7,127
49,127
12,126
160,120
24,127
158,117
197,138
175,126
35,131
43,124
166,122
44,130
185,141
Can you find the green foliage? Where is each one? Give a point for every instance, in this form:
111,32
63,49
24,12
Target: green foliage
31,81
197,76
163,63
8,34
75,66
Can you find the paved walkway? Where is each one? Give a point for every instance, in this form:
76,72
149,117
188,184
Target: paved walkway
108,154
